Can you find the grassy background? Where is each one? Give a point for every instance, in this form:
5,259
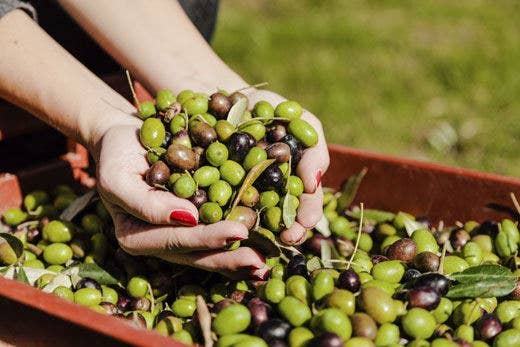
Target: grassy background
433,80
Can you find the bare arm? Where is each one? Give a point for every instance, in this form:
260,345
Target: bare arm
39,75
155,40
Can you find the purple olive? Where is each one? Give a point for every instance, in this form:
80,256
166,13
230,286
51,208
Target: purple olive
488,327
403,250
424,297
349,280
459,238
273,329
326,340
110,308
88,282
433,280
219,105
427,261
279,151
158,174
276,133
313,244
260,311
296,149
271,179
140,304
180,157
203,134
222,304
239,145
123,302
411,274
199,198
377,258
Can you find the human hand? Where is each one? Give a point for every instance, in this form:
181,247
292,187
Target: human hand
157,223
310,169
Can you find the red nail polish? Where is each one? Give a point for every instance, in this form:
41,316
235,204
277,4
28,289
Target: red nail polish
318,179
184,218
236,238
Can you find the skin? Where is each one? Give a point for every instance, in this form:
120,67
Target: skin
41,77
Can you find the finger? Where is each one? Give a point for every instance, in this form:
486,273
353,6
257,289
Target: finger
293,236
141,238
121,182
225,262
315,160
311,208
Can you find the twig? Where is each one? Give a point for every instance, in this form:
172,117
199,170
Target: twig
515,202
134,95
358,236
258,85
443,255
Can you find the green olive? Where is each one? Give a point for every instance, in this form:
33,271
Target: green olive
57,253
299,337
418,323
34,199
255,129
303,132
164,99
340,226
220,192
224,130
231,320
508,310
137,287
210,212
333,321
453,264
109,295
507,338
184,308
297,286
195,105
14,216
272,218
253,157
378,304
390,271
217,154
91,223
250,197
465,332
443,311
295,185
152,133
342,299
322,285
425,241
185,186
87,297
472,253
64,293
294,311
146,109
232,172
178,123
206,176
288,109
387,334
263,109
274,290
268,199
359,342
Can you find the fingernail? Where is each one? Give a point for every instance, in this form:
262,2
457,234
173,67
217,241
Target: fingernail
252,267
318,179
184,218
262,277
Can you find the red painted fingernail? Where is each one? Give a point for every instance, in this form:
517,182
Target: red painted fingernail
184,218
318,179
236,238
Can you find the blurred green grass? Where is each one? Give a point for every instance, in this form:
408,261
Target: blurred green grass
433,80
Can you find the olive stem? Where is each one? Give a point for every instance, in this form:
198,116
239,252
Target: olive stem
258,85
358,236
443,255
132,90
515,202
152,299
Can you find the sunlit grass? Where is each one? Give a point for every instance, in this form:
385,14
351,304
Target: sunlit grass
390,72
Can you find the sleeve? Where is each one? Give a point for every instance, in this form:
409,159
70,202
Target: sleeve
7,6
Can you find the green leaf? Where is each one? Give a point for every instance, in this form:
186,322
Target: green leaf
326,254
262,242
251,177
96,273
77,206
482,281
236,112
21,276
314,264
288,211
376,216
349,190
15,243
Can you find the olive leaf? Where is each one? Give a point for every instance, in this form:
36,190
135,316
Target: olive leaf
60,280
251,177
32,274
14,242
349,190
161,298
326,253
376,216
20,275
263,243
236,112
204,318
323,226
314,264
288,210
77,206
263,120
410,225
482,281
92,271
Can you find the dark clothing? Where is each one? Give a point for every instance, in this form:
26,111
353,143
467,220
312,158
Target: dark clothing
55,21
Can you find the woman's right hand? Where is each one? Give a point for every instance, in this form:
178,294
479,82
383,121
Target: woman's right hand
157,223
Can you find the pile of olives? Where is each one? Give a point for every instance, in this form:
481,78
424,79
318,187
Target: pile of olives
203,148
392,289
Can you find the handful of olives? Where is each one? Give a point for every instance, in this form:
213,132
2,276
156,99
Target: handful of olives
206,148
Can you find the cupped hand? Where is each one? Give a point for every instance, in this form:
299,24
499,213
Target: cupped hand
153,222
310,169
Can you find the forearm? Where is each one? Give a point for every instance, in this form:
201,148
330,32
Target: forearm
39,75
156,41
